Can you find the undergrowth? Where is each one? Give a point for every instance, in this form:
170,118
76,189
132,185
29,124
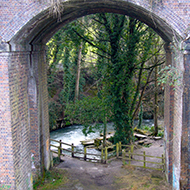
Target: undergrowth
52,179
151,129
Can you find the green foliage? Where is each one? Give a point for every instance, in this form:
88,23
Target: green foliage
53,114
146,127
151,129
169,75
147,145
52,179
160,133
90,112
56,160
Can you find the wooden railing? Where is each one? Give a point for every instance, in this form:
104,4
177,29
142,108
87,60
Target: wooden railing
130,158
118,151
59,148
73,152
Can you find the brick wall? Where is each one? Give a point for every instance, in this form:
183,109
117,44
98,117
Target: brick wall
181,8
7,174
26,107
18,80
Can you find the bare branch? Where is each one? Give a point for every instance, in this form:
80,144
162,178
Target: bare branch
142,93
88,41
93,84
100,55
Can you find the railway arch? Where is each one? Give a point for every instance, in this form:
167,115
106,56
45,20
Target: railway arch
25,27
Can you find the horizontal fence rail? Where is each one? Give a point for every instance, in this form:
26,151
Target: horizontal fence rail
119,151
85,154
131,159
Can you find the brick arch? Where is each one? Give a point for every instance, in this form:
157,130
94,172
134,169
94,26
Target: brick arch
43,25
24,29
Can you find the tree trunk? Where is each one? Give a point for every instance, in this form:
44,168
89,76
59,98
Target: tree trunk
105,132
156,103
78,72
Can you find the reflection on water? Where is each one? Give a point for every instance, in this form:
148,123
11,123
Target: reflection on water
73,134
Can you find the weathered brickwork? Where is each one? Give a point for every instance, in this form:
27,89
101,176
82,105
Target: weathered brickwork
168,120
177,129
34,107
41,126
17,13
44,125
25,27
185,154
18,78
181,8
7,174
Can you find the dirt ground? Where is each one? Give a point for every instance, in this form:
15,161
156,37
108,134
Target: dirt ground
114,175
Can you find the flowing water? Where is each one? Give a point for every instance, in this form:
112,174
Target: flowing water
73,134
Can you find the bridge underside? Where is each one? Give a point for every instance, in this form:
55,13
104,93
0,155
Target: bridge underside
24,122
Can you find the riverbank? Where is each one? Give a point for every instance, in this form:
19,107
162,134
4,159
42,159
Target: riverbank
62,125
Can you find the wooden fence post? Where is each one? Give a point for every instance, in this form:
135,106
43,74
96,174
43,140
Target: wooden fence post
60,145
129,157
102,155
117,150
106,154
123,156
132,148
51,159
72,150
163,162
144,164
59,150
120,148
85,153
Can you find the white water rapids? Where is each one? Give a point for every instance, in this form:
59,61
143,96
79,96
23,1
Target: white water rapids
73,134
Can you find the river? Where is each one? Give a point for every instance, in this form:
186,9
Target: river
73,134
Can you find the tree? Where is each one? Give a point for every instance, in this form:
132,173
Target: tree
78,73
127,38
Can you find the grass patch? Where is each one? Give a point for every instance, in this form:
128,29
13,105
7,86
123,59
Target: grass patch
151,130
147,145
52,179
56,161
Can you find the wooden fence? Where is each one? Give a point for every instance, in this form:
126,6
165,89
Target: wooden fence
85,154
130,158
124,152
